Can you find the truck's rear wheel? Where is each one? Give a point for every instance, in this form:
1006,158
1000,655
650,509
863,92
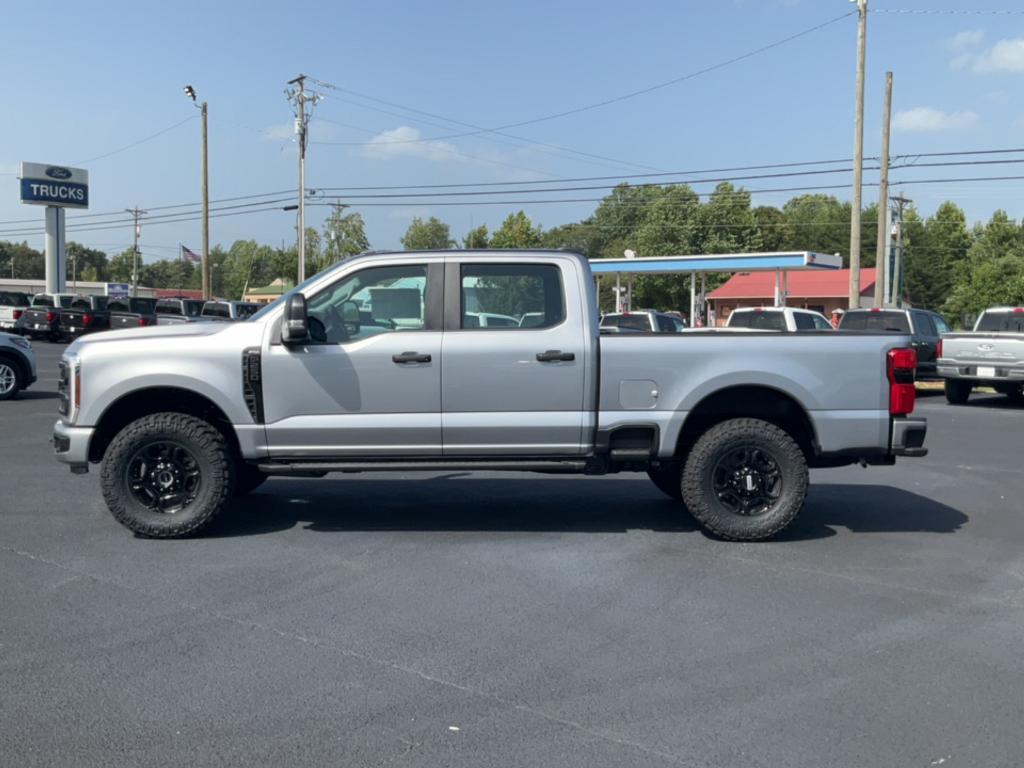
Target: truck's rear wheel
1013,391
668,480
957,391
745,479
167,475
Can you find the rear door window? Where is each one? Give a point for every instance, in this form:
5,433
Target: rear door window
42,300
923,324
216,309
512,291
168,308
821,324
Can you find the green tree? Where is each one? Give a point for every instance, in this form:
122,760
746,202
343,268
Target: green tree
344,237
817,223
120,266
21,261
517,231
770,223
424,235
569,237
85,263
477,239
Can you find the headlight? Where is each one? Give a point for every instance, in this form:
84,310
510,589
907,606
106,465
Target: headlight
20,341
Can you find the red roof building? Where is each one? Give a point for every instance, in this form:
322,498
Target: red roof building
187,293
822,290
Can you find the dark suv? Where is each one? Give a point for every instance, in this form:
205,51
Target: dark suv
923,326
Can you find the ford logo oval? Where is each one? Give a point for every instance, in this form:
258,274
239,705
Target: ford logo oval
986,347
56,172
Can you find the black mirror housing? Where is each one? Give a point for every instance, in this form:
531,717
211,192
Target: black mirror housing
295,324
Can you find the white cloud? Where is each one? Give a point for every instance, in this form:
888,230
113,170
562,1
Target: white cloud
930,120
406,142
966,39
1004,56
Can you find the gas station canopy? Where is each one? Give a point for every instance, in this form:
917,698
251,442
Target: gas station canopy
717,262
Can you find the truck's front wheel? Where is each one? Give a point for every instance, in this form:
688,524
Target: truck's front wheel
167,475
745,479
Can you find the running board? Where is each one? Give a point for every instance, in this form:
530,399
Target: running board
319,468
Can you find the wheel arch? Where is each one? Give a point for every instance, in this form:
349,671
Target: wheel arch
143,402
754,401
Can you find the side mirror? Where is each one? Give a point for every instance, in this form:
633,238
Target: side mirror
295,324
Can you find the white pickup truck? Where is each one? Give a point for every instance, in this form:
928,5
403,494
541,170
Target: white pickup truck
991,355
346,373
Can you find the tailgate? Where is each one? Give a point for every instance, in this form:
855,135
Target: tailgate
124,320
996,354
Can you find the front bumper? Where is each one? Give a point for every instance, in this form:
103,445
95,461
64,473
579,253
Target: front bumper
907,436
71,445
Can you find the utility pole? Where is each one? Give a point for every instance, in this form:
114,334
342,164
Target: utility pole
883,199
205,266
897,269
858,157
137,213
298,96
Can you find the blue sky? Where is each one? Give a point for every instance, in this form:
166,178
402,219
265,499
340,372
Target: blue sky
86,79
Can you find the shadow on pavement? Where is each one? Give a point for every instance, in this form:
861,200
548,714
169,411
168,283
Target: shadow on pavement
993,402
572,506
37,394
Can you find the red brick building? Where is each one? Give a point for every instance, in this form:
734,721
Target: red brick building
821,290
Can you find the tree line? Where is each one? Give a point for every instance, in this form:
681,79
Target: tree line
949,266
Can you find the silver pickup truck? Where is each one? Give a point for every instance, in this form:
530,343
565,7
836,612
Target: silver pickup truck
992,355
372,365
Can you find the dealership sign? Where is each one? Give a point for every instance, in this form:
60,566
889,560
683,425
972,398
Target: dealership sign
57,185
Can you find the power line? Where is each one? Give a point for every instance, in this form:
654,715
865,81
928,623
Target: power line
948,12
638,92
135,143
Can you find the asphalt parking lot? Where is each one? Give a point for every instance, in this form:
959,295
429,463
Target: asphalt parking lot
476,620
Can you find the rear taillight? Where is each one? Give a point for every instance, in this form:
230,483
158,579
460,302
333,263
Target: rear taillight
142,321
51,316
938,350
86,319
901,364
17,314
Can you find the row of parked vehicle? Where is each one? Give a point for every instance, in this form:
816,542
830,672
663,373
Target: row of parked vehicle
66,316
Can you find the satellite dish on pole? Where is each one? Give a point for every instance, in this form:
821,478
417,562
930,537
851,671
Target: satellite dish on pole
629,254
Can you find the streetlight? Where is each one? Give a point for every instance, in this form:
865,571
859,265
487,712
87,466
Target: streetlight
190,92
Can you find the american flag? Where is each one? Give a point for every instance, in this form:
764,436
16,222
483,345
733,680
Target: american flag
188,255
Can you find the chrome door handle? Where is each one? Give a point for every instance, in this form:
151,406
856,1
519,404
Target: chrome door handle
410,357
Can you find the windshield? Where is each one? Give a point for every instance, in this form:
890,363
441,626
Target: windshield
1001,322
875,321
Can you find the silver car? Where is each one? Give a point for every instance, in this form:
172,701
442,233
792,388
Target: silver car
17,365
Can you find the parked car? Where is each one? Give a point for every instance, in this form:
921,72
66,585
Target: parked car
644,320
182,418
925,328
176,311
41,320
85,315
990,355
792,319
228,310
131,312
12,305
17,365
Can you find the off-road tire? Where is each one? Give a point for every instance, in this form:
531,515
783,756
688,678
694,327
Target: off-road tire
668,480
247,479
957,391
216,465
11,368
697,479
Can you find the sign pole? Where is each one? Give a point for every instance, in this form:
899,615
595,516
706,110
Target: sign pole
56,278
